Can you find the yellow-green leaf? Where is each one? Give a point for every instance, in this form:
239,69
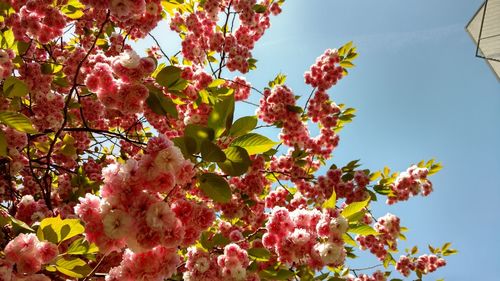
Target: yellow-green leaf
363,229
243,126
215,187
210,152
237,161
331,202
354,207
82,247
17,121
73,267
259,254
13,87
56,230
254,143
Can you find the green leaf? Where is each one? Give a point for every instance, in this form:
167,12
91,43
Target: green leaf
220,240
61,81
254,143
281,274
432,249
243,125
178,86
284,274
215,187
356,217
21,47
18,226
8,38
3,145
17,121
449,252
354,207
170,77
50,68
363,229
296,109
259,254
280,79
221,115
237,161
331,202
56,230
73,11
322,276
160,104
381,189
389,259
82,247
258,8
435,168
186,144
346,64
73,267
210,152
68,148
216,83
205,242
334,278
199,134
13,87
348,240
414,250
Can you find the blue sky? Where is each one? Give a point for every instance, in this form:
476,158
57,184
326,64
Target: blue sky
420,93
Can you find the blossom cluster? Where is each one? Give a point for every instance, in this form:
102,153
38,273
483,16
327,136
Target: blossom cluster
37,19
410,183
231,265
154,265
125,94
6,65
278,106
24,256
376,276
389,231
233,262
306,237
148,226
424,264
202,37
138,16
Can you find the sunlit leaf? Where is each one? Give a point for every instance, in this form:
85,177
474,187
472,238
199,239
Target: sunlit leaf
17,121
237,161
13,87
73,267
56,230
215,187
354,207
210,152
243,125
254,143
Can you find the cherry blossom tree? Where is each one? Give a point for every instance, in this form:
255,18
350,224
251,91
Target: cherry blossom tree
121,165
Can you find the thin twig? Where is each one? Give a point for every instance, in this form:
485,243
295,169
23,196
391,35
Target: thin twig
161,50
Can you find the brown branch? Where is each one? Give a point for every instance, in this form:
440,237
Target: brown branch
47,190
